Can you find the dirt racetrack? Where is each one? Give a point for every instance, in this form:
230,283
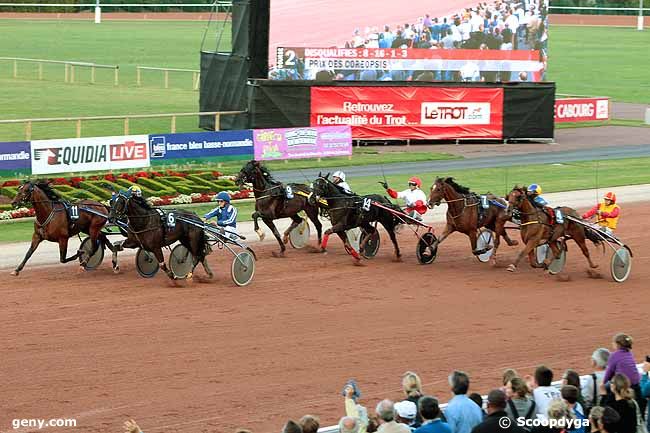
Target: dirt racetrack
101,348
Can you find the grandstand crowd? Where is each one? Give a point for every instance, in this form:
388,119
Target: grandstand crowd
611,398
501,25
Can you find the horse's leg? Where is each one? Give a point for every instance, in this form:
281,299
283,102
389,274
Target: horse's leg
295,222
94,234
256,226
500,230
312,213
161,262
582,243
63,251
107,243
36,240
389,226
495,248
528,248
269,223
449,229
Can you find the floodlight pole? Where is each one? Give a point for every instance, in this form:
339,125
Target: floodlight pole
639,24
98,13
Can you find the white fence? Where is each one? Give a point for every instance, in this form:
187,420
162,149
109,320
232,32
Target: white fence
69,68
195,75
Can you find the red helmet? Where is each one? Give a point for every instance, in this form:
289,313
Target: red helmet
416,180
610,196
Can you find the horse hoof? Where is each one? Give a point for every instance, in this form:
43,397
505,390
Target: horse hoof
277,255
82,269
261,235
511,268
116,270
358,263
14,273
397,259
594,266
285,239
189,276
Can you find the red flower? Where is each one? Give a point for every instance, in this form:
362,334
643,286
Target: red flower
11,183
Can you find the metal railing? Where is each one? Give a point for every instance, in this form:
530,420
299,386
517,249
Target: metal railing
69,74
120,5
125,118
195,75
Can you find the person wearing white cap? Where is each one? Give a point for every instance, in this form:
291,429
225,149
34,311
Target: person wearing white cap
338,179
405,412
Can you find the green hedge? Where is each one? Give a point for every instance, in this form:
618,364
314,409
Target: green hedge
4,207
97,188
9,191
158,188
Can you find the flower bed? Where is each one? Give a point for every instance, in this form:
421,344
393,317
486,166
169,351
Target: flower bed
161,188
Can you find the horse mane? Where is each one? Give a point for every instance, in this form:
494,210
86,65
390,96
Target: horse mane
140,201
266,174
48,190
457,187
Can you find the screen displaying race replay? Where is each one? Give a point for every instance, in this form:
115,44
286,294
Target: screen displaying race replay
457,40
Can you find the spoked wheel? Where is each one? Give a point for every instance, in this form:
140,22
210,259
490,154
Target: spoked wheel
485,240
299,236
425,251
86,247
354,237
621,264
146,263
372,242
243,268
181,261
557,265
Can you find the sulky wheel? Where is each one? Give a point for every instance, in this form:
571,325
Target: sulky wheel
299,236
621,264
243,268
146,263
425,251
86,247
181,262
485,240
370,242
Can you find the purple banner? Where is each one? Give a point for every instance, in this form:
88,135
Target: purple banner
307,142
15,156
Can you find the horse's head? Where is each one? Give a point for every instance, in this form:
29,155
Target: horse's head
247,173
321,187
119,205
437,192
515,198
24,195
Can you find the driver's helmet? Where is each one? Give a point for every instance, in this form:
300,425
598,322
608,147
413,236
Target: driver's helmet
136,190
340,175
534,189
223,196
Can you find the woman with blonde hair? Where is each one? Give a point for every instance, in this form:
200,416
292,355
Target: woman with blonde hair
412,387
622,401
520,404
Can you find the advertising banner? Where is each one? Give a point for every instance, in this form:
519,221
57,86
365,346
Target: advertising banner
89,154
410,112
218,145
15,157
581,109
295,143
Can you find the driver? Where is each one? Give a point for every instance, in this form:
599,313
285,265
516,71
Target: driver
534,191
413,196
607,213
338,179
135,190
226,214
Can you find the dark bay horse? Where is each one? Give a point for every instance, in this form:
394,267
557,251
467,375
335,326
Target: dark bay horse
536,229
152,230
463,213
350,211
271,203
55,225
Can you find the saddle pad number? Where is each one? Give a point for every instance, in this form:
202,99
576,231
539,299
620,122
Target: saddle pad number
74,213
366,204
289,192
171,220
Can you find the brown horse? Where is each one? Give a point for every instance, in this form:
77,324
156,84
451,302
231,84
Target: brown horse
271,203
536,229
55,225
463,214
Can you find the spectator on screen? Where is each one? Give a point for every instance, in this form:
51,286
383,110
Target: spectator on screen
431,417
462,413
448,41
386,416
571,377
349,424
412,388
496,405
520,404
570,396
405,412
543,392
478,399
590,384
559,411
622,401
436,30
523,76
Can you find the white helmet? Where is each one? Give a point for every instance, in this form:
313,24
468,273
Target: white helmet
340,175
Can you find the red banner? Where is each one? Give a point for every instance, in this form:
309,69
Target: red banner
581,109
410,112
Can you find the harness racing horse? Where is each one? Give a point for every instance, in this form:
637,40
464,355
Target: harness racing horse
537,229
151,229
271,203
463,214
350,211
55,225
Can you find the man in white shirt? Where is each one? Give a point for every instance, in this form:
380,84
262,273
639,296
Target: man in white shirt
543,391
591,384
414,197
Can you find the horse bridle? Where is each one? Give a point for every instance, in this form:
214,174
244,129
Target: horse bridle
25,200
463,199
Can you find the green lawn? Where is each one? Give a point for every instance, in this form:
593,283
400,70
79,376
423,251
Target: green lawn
553,177
582,60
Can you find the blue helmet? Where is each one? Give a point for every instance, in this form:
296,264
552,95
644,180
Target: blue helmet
223,196
534,189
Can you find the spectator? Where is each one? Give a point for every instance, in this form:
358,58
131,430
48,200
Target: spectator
431,421
496,405
352,408
519,402
558,411
608,420
349,424
508,375
448,41
405,412
622,401
292,427
571,377
543,391
412,387
478,399
622,361
645,390
570,395
386,418
595,417
462,414
523,76
591,384
309,424
130,426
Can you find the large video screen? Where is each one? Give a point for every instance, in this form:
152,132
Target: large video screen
418,40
